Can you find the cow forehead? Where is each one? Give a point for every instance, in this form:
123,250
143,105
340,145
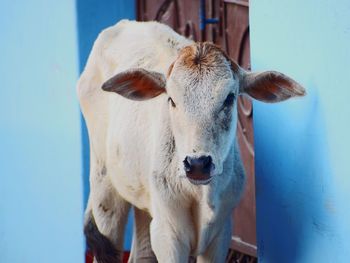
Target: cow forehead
202,73
204,56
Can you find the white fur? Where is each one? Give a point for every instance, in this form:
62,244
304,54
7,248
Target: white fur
130,141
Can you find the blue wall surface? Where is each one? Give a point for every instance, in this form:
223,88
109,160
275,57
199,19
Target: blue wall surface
41,200
302,146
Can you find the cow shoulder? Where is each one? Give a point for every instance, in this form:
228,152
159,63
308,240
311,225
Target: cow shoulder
94,71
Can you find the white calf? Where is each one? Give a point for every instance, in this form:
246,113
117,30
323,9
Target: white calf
164,142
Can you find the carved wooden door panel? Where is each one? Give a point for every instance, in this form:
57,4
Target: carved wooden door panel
181,15
226,23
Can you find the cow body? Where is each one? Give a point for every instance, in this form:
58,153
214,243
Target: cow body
136,153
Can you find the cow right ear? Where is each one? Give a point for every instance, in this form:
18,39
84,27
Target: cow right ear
136,84
270,86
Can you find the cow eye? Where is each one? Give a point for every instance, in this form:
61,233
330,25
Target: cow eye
172,102
229,100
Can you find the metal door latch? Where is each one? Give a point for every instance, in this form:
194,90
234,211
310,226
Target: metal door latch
202,16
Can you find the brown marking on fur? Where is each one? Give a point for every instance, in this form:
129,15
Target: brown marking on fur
104,208
102,248
172,42
271,86
101,172
136,84
117,151
205,55
104,171
131,188
186,56
170,69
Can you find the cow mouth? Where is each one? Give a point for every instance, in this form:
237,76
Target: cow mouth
199,179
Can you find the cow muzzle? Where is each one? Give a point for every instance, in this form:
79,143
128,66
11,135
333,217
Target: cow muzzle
199,169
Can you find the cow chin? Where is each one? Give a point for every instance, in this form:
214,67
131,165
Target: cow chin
200,182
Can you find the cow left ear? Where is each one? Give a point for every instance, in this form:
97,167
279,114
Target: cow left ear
270,86
136,84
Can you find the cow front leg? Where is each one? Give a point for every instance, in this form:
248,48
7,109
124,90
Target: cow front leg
105,221
141,250
171,235
218,248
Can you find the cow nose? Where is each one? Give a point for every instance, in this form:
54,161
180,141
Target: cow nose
202,164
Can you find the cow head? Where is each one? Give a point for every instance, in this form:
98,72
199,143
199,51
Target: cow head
202,88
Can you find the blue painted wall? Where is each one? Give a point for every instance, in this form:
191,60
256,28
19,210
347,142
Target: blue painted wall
302,146
93,17
40,158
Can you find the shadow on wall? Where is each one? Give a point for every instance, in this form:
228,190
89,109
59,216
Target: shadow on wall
292,206
92,17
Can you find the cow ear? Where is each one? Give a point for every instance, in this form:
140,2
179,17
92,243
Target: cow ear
270,86
136,84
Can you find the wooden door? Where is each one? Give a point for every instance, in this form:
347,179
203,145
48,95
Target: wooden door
178,14
226,23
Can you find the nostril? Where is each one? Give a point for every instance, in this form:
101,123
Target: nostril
206,163
205,160
187,164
